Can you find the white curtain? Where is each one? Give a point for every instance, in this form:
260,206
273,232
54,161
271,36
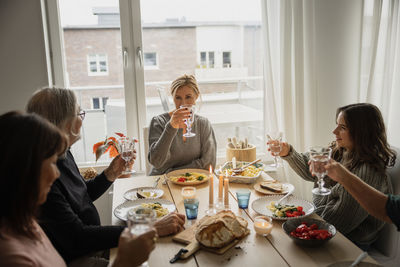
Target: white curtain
289,69
380,62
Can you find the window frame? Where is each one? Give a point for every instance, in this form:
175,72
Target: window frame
133,69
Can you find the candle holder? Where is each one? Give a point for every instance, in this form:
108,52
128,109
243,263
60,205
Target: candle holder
227,207
220,204
211,210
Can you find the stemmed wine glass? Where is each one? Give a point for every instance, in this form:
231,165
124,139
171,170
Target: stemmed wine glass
320,156
127,146
140,221
190,120
275,146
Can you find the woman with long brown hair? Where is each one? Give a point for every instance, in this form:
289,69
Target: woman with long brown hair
30,149
362,147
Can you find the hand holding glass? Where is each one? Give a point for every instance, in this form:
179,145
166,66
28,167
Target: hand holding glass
189,121
127,146
140,221
320,157
275,146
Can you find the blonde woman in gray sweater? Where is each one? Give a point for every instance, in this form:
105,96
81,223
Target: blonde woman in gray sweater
362,147
169,150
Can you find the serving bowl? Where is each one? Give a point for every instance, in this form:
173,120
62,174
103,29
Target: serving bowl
237,178
292,224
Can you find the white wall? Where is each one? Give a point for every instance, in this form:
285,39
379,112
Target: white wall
23,66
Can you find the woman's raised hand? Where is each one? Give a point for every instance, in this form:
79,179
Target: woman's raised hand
134,250
117,166
285,148
170,224
177,117
337,171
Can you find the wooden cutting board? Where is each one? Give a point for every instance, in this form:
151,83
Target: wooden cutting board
187,237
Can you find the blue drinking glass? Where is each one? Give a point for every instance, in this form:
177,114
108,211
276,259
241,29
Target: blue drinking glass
243,196
191,208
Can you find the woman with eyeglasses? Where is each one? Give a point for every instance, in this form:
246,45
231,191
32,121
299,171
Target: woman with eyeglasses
28,168
69,216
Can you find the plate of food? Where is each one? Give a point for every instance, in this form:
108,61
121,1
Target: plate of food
161,206
248,176
290,208
144,192
273,187
188,176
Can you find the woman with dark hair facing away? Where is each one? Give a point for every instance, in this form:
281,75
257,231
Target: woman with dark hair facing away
27,170
362,147
69,217
168,150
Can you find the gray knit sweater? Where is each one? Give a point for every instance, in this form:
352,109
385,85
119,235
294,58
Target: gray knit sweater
169,152
340,208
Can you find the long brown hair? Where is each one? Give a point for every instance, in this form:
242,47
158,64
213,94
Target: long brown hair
367,131
26,141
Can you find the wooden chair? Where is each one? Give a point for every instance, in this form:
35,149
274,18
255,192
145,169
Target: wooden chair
386,249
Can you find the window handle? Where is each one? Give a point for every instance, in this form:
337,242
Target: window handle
139,54
125,57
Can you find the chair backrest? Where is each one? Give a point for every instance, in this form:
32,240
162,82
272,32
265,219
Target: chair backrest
146,148
389,238
164,99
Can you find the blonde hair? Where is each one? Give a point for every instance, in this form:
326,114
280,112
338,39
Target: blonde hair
57,105
185,80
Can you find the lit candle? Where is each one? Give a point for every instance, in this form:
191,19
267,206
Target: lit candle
220,185
188,192
263,225
226,187
211,191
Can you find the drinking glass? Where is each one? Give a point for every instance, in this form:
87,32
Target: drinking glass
127,146
140,221
275,146
191,208
243,196
320,156
189,121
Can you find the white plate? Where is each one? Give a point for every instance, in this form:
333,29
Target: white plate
121,211
260,206
131,194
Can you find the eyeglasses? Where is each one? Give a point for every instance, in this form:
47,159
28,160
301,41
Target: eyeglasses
82,114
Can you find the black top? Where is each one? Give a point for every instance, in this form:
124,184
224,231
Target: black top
393,209
69,217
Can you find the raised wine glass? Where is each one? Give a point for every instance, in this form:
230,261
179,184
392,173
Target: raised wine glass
190,120
275,146
320,156
140,221
127,146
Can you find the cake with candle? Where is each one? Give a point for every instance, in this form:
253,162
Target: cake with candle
220,229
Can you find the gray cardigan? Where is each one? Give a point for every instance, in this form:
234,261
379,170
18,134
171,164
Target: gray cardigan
340,208
169,152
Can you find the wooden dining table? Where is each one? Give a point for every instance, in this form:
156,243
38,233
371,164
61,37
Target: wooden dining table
276,249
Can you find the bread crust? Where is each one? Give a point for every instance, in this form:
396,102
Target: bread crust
221,229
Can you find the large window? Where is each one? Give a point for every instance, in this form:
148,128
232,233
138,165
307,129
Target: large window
152,43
